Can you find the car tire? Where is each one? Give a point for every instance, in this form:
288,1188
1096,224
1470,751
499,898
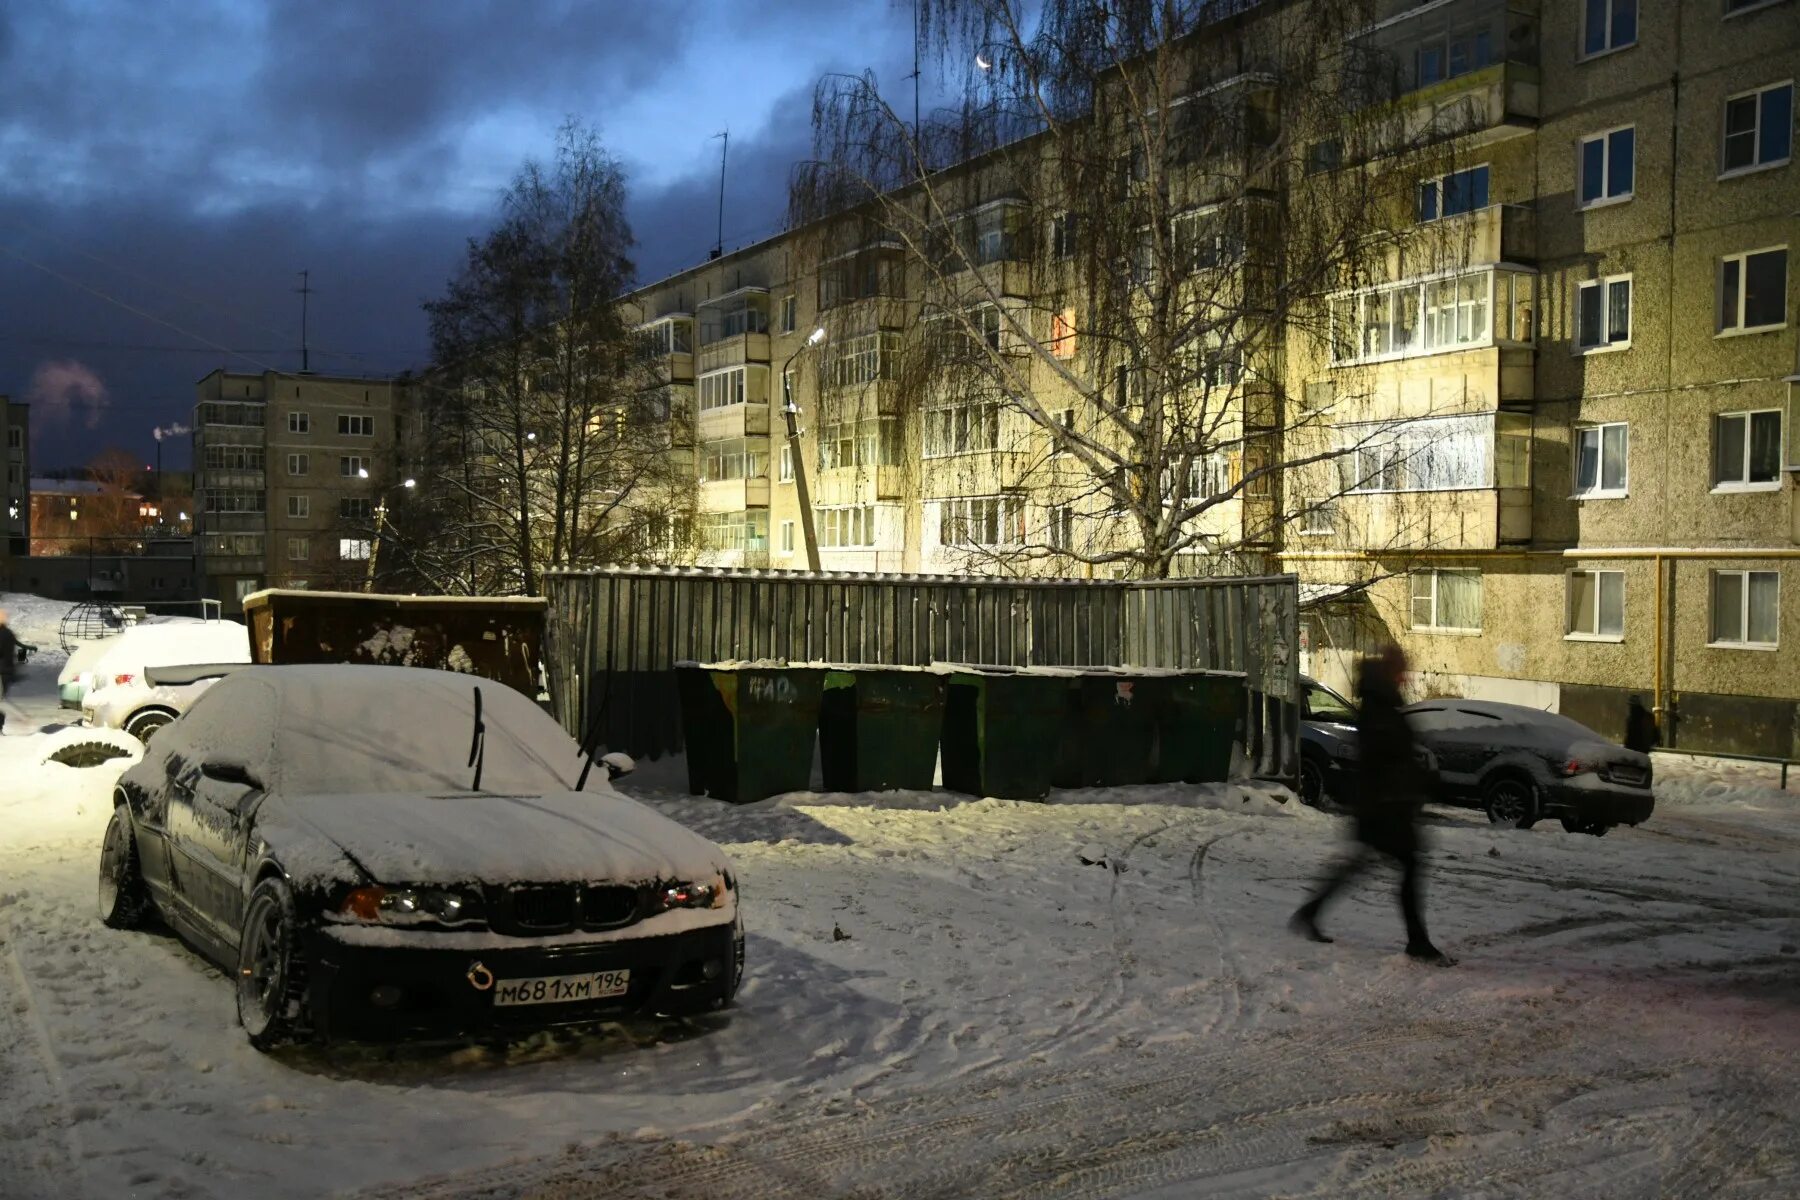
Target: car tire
143,725
271,970
1312,781
1510,801
124,900
87,754
1592,828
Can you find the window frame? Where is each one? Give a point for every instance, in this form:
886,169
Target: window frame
787,537
1596,634
1605,138
359,471
299,507
1742,259
1600,490
1744,483
1745,9
347,548
303,460
1436,183
1437,598
1756,164
1713,641
299,422
356,425
299,549
1583,54
1604,284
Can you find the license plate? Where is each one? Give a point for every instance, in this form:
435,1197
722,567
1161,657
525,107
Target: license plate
561,989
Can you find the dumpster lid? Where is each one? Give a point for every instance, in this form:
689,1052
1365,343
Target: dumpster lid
263,597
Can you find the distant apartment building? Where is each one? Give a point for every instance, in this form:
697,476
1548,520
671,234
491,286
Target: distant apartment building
15,503
289,471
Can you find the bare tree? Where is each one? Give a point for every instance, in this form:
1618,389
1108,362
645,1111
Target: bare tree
1120,247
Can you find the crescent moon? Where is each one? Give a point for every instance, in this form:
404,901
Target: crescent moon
983,63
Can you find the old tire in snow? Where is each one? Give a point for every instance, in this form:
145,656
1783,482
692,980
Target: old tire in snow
124,901
1594,828
1511,801
86,754
143,725
271,974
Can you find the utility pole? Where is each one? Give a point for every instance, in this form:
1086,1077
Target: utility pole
719,246
305,291
790,410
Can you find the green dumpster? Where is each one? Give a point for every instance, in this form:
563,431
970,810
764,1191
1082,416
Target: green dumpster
879,729
1110,728
1197,726
1001,733
749,730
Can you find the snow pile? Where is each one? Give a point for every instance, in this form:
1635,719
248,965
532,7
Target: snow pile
35,619
1688,782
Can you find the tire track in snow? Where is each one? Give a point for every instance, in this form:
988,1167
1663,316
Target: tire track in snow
40,1151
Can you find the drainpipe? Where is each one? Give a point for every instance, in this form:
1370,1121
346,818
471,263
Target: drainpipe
1656,701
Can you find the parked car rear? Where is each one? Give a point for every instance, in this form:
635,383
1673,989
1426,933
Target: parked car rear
121,694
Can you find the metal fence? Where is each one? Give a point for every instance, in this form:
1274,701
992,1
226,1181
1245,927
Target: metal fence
613,637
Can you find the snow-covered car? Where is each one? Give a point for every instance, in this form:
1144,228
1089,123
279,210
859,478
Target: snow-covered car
120,694
77,673
383,852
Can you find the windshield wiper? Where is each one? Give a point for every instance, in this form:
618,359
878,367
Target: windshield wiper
477,744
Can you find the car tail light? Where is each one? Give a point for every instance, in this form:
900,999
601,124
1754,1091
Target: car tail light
122,680
1575,767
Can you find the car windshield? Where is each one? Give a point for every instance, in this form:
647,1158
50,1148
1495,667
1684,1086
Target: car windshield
1326,705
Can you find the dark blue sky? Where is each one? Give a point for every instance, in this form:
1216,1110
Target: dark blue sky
167,170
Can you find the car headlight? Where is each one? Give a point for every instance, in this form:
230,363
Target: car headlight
710,894
379,905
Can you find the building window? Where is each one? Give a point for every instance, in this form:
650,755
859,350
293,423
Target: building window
1746,608
355,508
1606,166
221,500
1759,129
1062,333
1208,475
1433,316
353,466
353,549
1747,450
1753,291
729,532
1601,456
299,506
722,389
1447,600
1436,454
299,549
961,427
1319,517
787,537
790,313
1596,604
1061,527
1608,25
981,521
299,422
847,528
868,443
1063,238
356,426
1603,314
233,458
863,359
1450,55
299,464
1733,7
786,467
737,458
1454,194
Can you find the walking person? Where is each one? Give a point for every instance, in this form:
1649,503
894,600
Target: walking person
1392,783
1641,733
9,663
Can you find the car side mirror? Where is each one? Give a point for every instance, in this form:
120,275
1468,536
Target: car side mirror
230,772
618,765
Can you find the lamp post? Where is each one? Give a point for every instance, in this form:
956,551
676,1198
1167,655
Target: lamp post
791,412
380,519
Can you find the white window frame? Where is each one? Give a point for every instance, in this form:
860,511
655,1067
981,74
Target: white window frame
787,537
1434,574
1712,619
1746,8
354,549
356,425
299,507
961,512
299,549
1743,483
1600,490
299,422
1604,137
785,459
1605,285
1584,54
1600,576
1059,527
1742,259
353,466
1756,164
299,464
790,313
1437,185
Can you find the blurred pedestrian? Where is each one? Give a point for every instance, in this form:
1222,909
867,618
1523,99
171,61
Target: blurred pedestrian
1641,732
9,663
1392,783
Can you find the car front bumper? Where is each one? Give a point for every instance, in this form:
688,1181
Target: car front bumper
1589,798
387,993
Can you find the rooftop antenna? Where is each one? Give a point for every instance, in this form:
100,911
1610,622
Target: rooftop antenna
719,246
305,291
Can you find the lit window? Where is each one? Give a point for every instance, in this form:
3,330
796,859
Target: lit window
1759,129
1446,600
1747,449
1603,314
1746,608
353,549
1607,166
1597,604
1753,291
1601,453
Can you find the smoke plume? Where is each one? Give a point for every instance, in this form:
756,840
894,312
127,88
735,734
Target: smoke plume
66,393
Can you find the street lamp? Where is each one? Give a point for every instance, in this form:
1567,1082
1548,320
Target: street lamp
791,412
380,519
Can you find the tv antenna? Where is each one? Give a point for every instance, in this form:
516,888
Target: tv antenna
305,290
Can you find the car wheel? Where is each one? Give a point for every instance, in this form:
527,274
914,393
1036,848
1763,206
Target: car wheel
1312,781
144,725
1593,828
271,974
1511,801
124,900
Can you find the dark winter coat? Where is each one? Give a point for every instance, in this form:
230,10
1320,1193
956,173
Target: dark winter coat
1392,780
1641,733
9,652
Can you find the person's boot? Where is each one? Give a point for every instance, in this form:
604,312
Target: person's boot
1305,923
1425,952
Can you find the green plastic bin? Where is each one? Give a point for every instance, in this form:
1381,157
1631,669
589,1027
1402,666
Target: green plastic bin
1111,728
750,730
1001,733
1197,726
879,729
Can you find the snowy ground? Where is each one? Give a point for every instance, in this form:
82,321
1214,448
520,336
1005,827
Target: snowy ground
944,1000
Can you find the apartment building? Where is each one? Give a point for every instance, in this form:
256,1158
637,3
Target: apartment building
289,473
15,504
1566,402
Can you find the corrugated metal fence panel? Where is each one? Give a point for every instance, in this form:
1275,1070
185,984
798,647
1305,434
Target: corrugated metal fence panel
613,637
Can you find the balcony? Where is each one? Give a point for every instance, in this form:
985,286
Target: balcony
732,421
733,350
1455,68
733,495
221,479
859,485
1498,233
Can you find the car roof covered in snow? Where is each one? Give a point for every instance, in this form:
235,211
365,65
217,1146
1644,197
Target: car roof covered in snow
175,644
351,729
1508,714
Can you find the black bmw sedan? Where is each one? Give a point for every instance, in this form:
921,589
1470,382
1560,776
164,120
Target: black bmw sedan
380,852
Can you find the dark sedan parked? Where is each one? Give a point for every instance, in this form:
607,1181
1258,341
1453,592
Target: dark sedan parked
387,851
1518,764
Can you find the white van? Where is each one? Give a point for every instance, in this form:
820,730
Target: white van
122,695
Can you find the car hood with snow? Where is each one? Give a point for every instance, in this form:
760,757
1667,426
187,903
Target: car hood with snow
464,837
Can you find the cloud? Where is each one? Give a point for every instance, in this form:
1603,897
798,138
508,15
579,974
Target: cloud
65,393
